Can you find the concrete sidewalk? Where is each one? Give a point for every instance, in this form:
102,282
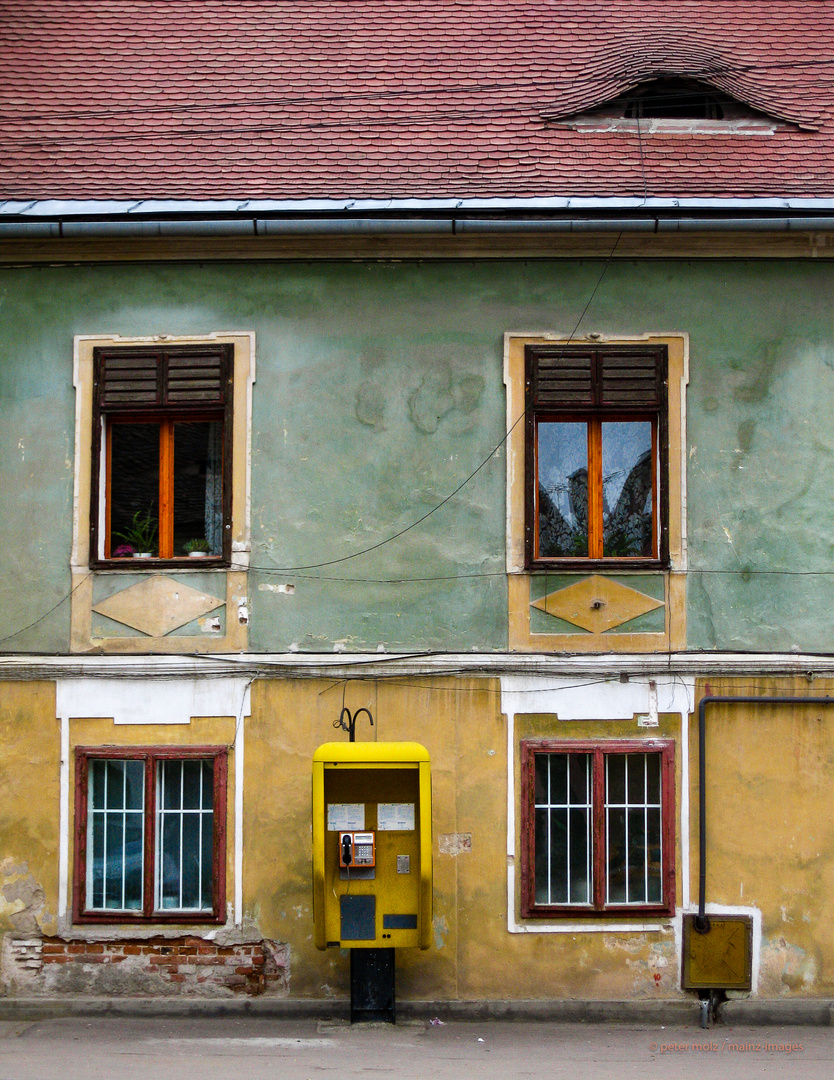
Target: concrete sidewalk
218,1048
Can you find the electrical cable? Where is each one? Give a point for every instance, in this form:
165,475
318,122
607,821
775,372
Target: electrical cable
46,614
474,473
445,90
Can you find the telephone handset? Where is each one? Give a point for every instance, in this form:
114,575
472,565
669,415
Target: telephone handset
357,849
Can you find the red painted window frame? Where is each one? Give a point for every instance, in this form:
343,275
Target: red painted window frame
530,748
151,755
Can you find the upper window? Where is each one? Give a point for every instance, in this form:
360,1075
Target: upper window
150,834
596,453
677,99
598,828
162,429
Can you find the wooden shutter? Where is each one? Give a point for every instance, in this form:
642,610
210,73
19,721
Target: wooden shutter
577,377
195,377
632,378
559,378
128,377
151,378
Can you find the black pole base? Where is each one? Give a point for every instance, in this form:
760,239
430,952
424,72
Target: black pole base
372,986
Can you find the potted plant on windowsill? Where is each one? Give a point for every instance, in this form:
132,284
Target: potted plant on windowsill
140,535
197,548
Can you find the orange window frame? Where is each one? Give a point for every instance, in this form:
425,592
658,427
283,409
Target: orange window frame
595,480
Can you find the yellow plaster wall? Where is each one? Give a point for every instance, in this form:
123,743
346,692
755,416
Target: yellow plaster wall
472,956
29,781
770,825
771,841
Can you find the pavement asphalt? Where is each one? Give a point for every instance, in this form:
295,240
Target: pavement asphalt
188,1048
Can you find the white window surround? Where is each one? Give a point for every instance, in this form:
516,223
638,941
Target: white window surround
144,702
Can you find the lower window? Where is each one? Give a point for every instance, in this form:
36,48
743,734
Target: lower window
598,827
150,834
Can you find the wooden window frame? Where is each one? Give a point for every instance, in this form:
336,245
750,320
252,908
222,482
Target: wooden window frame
530,909
167,409
589,407
151,756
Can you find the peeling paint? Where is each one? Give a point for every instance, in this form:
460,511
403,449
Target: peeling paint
785,968
455,843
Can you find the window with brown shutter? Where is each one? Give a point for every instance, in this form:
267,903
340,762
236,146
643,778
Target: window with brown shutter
162,429
596,450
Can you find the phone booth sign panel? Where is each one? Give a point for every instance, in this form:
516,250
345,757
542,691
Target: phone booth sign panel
372,872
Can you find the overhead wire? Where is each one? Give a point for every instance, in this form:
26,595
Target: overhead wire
342,97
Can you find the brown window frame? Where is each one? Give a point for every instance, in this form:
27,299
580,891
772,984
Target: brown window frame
151,755
158,401
590,401
598,749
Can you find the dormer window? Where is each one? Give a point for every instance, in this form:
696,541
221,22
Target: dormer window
672,105
676,99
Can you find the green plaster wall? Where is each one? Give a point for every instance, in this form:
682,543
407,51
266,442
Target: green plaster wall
379,390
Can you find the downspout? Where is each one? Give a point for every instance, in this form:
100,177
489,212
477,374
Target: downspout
701,921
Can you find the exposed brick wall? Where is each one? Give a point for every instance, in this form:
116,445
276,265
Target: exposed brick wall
187,965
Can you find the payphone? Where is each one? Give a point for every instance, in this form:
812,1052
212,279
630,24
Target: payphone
372,870
372,873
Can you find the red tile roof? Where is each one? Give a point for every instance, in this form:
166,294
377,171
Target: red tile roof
294,99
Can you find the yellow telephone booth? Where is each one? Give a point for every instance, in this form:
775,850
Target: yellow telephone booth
372,872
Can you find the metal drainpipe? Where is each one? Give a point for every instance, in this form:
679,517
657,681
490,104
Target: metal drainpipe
725,699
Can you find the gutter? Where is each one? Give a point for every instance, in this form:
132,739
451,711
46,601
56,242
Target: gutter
89,219
106,228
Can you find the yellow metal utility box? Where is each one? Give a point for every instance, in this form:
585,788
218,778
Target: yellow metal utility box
372,875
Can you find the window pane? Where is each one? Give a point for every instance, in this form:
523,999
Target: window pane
615,772
97,771
134,488
562,455
208,785
542,863
541,765
198,485
134,860
207,874
114,784
636,857
635,770
559,876
170,783
627,495
191,853
168,859
616,858
95,845
653,779
655,854
191,777
114,860
134,785
558,779
579,862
